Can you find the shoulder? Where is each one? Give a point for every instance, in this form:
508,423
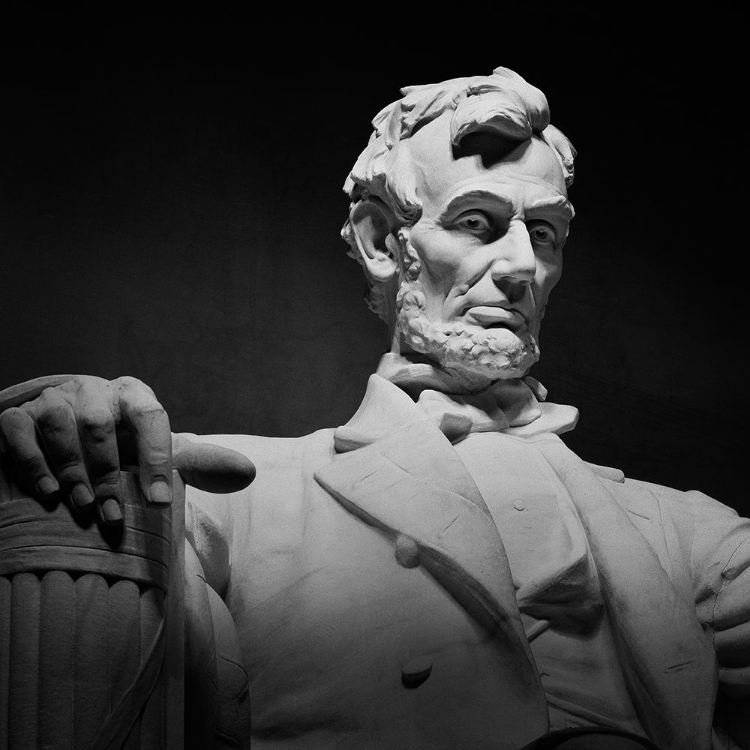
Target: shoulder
716,541
712,522
711,527
710,538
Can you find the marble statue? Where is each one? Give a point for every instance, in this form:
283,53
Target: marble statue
441,571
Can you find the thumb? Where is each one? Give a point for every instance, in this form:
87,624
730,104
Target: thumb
209,467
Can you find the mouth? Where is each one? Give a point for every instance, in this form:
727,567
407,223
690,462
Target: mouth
489,316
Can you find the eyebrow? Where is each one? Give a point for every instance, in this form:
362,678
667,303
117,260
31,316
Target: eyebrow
471,195
558,204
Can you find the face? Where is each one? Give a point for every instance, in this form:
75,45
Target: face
485,254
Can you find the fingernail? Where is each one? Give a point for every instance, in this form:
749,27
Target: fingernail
81,496
159,493
47,486
111,512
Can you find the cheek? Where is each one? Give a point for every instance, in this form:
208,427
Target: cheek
439,258
547,276
548,273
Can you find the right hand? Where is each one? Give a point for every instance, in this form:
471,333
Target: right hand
76,436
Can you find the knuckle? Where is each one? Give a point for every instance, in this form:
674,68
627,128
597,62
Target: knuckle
49,396
103,460
30,465
126,380
96,424
149,411
52,416
12,420
71,472
130,383
88,381
159,460
80,383
107,484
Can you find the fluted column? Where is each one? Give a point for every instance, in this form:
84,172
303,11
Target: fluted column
90,625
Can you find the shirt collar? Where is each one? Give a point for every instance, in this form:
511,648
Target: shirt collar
517,406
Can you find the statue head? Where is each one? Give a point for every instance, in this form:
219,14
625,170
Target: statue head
459,213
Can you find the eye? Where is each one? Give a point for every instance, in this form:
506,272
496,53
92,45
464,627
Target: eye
542,233
474,222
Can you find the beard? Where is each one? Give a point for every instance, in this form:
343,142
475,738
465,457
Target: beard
469,352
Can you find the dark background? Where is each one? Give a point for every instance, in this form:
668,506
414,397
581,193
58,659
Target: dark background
171,209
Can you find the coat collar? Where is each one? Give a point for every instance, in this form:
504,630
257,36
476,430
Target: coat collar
384,410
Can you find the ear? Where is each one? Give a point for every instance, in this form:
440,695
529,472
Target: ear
371,221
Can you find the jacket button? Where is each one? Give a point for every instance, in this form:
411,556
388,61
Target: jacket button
416,671
407,552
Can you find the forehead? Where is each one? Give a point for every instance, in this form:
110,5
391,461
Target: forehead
528,173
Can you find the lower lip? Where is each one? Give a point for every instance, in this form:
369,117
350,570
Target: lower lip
488,317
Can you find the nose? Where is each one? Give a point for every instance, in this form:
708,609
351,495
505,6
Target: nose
514,261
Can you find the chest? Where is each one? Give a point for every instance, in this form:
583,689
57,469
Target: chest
529,504
330,620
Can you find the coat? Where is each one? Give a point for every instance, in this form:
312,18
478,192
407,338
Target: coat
378,586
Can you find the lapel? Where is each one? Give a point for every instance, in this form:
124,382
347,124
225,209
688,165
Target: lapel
669,661
408,480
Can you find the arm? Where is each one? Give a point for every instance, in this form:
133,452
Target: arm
721,565
731,622
217,703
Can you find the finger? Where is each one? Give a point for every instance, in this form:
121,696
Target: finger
97,435
109,511
142,413
20,437
55,423
209,467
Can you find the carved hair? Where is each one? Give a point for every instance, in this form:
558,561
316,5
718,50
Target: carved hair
503,103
